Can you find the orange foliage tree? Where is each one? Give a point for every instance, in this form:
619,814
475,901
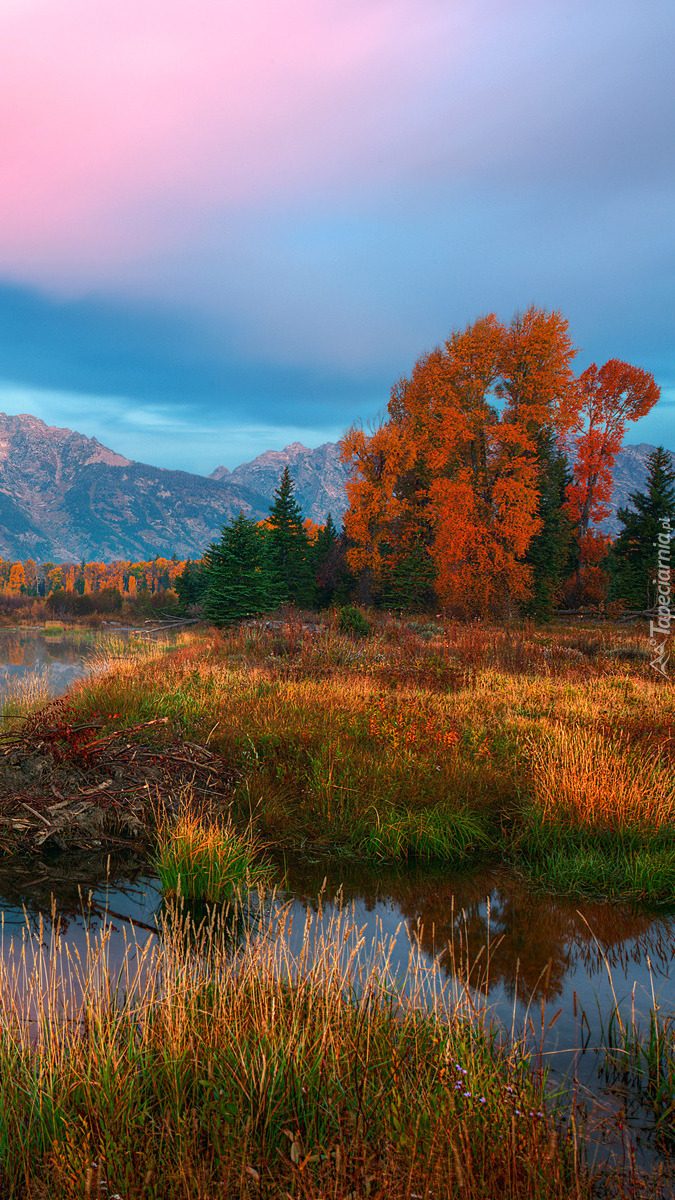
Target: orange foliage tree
609,397
17,577
446,490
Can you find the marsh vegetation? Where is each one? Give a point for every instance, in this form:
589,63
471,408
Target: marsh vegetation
233,1059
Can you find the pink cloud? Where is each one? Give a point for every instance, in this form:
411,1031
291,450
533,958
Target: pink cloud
115,110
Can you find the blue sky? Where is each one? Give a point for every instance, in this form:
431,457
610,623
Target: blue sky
228,227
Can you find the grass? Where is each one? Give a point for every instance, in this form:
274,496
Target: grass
24,695
201,1072
548,749
640,1058
593,780
205,861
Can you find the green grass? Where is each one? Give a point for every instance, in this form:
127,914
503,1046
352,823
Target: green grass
622,864
206,862
200,1072
434,833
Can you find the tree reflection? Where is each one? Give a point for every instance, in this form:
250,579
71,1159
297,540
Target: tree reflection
535,940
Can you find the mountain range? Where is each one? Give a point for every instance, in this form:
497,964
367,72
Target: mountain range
65,497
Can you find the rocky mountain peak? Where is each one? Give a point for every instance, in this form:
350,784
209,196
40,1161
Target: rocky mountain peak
64,496
318,474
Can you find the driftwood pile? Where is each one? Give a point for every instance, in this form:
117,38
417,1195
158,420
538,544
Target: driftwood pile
62,786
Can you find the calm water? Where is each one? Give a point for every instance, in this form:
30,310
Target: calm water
548,958
56,658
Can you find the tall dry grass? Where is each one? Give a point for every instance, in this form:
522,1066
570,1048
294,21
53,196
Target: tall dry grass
587,778
196,1070
24,695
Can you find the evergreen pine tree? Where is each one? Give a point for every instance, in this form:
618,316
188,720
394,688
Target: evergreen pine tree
634,555
191,585
326,565
237,577
551,551
287,546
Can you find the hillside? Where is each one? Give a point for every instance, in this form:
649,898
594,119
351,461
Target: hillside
64,496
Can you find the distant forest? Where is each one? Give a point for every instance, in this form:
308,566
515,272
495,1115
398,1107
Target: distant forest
479,495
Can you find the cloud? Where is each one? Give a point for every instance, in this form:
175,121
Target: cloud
157,435
263,210
126,125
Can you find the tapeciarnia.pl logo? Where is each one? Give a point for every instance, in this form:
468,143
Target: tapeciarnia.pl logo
659,631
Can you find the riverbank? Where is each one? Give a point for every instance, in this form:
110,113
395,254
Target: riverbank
550,750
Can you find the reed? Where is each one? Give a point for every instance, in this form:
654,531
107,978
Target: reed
206,861
194,1070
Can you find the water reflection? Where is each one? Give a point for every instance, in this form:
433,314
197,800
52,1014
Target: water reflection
534,955
537,942
56,657
539,947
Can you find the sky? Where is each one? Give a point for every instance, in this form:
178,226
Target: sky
227,225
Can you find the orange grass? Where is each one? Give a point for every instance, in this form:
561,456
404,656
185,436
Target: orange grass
583,777
196,1070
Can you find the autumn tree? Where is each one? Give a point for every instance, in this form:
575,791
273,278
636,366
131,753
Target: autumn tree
609,397
445,494
17,577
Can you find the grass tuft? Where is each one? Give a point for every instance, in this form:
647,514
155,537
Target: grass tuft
204,861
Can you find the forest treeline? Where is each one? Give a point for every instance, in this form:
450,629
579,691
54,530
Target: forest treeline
86,588
479,493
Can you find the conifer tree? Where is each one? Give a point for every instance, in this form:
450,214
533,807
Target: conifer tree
287,548
237,578
634,556
327,563
550,554
191,584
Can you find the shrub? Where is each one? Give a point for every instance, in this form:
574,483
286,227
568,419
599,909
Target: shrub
352,620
